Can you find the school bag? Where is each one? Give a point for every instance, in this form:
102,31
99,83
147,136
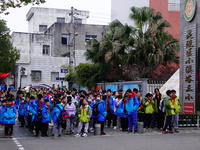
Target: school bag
71,110
95,110
162,107
39,114
60,117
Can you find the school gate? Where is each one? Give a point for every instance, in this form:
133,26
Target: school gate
190,56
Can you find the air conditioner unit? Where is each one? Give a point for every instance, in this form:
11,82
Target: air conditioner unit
25,73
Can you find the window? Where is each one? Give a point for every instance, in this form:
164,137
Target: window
54,75
42,28
78,20
173,5
65,39
89,37
45,49
36,75
60,20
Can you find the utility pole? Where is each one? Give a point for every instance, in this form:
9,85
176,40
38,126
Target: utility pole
71,48
72,14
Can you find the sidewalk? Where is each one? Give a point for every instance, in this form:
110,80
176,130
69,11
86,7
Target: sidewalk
22,132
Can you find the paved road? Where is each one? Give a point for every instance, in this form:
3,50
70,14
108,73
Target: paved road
186,140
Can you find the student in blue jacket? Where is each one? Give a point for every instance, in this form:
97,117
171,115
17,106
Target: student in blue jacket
102,114
27,113
110,105
36,110
57,111
21,111
132,104
2,107
122,113
46,117
9,117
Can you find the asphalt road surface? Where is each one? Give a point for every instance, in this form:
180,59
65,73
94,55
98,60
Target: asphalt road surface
186,140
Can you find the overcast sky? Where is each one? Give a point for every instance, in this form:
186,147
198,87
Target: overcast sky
100,11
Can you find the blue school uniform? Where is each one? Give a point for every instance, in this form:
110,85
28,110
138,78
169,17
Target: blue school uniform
9,114
46,115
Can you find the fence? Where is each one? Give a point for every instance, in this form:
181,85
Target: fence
188,120
152,84
144,85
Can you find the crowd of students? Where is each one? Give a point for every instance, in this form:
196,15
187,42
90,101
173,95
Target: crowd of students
35,109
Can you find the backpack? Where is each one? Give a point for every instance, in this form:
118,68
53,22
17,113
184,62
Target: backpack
95,110
60,117
39,114
71,110
162,107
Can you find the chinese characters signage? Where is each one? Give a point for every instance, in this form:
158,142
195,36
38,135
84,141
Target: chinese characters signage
189,64
188,108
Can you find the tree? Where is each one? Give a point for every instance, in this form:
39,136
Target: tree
85,74
110,51
127,52
152,45
5,4
88,75
8,54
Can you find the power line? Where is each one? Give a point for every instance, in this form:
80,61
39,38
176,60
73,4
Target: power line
98,17
100,13
99,21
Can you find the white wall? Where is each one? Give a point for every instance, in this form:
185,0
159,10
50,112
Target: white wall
120,9
30,45
48,16
44,64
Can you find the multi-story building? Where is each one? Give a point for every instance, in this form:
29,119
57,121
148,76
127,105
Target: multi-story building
170,9
40,19
43,54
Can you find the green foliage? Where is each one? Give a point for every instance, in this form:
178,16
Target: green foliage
5,4
138,50
70,76
8,54
85,74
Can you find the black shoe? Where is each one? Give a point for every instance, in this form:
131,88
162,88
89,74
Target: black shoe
176,130
129,131
135,131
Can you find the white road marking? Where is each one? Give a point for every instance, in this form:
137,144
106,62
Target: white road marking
18,144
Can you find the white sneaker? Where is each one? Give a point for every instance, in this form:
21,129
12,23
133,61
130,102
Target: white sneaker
77,135
114,127
91,130
84,135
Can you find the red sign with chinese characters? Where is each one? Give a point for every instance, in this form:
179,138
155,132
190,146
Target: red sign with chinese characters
189,108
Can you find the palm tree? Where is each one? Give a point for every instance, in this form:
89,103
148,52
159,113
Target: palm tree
137,49
152,45
110,51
